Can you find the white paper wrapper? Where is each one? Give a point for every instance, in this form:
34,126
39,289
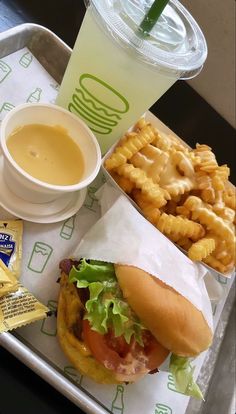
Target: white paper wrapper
154,394
124,236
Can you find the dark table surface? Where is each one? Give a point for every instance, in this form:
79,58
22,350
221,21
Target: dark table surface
181,108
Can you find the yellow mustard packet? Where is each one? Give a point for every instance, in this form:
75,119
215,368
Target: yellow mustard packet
8,282
20,308
11,232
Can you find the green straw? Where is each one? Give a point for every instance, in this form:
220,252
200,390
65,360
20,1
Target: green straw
152,16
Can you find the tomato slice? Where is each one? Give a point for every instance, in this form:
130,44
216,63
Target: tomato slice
155,352
98,346
129,359
117,343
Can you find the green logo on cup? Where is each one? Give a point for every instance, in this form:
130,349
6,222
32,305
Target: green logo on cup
162,409
98,104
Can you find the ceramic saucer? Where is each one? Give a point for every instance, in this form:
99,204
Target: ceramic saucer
51,212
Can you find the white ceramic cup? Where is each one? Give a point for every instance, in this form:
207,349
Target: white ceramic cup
24,185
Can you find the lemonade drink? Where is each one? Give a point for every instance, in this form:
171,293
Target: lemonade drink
114,75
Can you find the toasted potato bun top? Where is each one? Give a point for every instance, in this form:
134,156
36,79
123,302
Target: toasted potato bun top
176,324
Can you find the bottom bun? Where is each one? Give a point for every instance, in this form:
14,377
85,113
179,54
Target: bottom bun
69,321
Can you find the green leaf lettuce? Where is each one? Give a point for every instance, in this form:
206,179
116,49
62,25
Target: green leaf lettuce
182,372
106,307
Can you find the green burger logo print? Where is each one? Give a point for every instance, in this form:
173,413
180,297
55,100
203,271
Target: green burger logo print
90,102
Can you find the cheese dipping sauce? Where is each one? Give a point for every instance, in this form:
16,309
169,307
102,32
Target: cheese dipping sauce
47,153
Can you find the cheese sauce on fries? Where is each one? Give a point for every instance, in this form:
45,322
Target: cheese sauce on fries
181,191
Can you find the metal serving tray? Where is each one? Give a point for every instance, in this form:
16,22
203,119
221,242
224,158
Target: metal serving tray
49,49
54,54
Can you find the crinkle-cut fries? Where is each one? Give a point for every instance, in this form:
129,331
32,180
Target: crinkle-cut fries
181,191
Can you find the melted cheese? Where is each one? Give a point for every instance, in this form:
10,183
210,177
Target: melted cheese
47,153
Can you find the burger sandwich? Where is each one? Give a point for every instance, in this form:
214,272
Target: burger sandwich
116,323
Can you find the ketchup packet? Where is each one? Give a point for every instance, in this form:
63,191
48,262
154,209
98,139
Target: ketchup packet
11,244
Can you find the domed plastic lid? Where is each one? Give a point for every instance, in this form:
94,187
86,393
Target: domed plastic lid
176,44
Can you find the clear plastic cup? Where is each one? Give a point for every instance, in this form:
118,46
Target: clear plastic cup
114,74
